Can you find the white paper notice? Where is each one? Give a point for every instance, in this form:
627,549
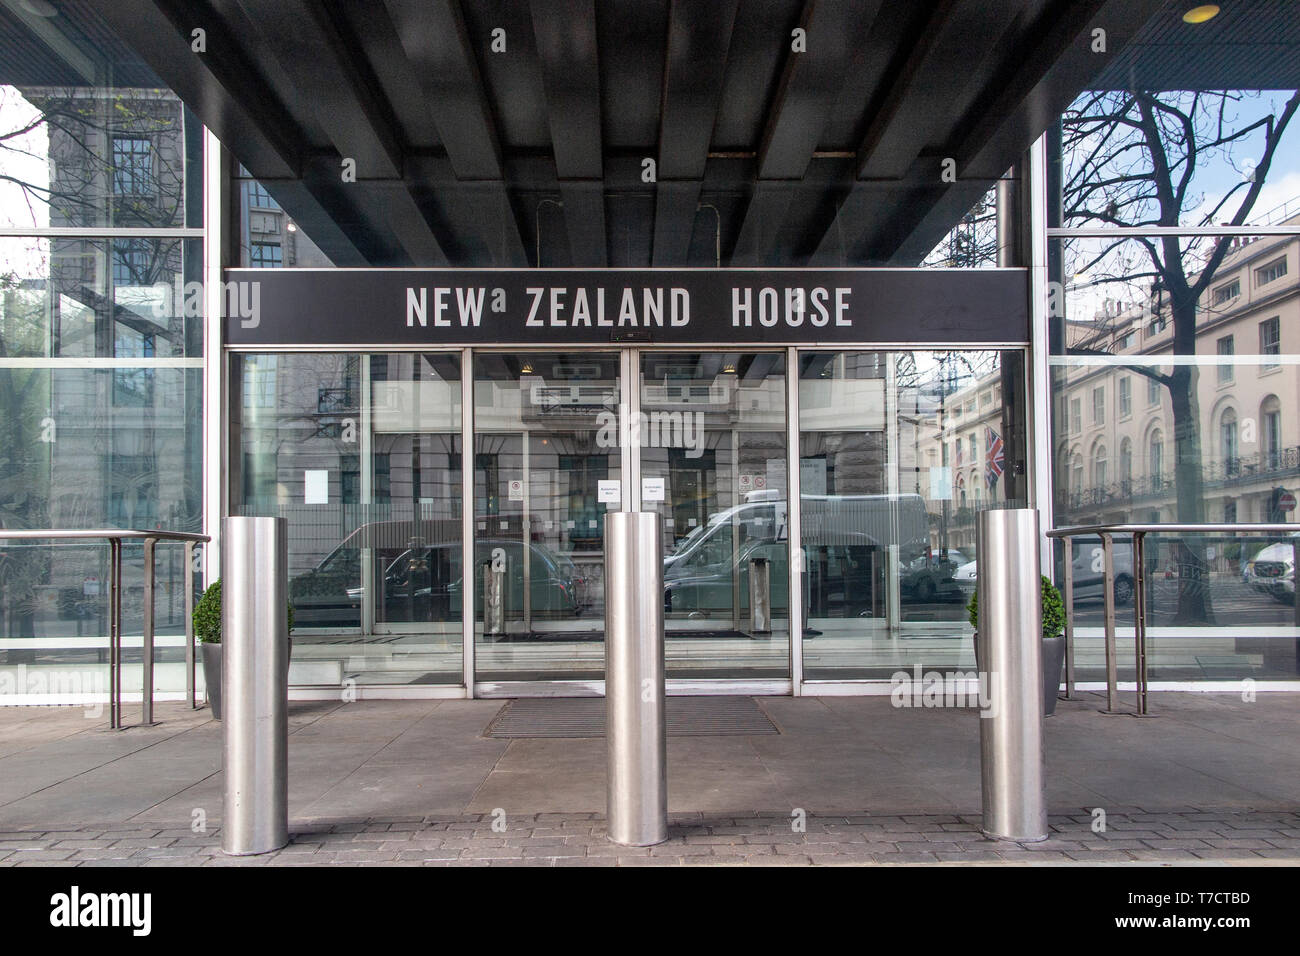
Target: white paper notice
516,490
609,491
316,487
652,489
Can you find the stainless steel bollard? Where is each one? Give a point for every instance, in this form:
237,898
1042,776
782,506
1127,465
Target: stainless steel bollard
635,731
760,596
494,604
255,684
1010,652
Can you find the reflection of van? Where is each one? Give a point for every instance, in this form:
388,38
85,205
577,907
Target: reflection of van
843,537
418,576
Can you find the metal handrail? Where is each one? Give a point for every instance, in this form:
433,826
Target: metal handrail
1139,533
115,537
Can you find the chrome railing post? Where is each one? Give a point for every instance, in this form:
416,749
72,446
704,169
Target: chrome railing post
1068,597
1140,620
146,635
189,624
1108,602
1295,577
115,633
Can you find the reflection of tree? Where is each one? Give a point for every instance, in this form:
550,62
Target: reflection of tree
973,242
1132,160
86,185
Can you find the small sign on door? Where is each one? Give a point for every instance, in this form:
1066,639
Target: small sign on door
516,490
652,489
609,491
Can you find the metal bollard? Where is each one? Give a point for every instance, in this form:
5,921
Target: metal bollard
760,596
635,730
494,605
1010,651
255,684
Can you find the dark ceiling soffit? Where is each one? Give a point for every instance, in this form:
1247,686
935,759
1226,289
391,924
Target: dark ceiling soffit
1021,106
217,85
695,64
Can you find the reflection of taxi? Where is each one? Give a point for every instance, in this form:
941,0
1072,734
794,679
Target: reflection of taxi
930,577
1272,571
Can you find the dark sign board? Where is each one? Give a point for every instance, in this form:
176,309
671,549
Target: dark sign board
364,308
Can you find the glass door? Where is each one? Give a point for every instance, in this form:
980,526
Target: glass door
547,467
711,430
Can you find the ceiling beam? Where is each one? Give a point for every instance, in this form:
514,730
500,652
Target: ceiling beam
810,83
315,55
437,46
695,64
565,35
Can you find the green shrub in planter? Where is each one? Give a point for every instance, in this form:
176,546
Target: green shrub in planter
207,628
207,615
1053,610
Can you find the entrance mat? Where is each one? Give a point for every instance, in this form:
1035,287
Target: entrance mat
541,717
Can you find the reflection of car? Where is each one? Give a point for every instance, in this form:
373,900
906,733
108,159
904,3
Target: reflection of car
1087,571
1272,572
329,595
931,577
424,583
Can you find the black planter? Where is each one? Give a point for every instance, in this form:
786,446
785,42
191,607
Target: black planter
1053,664
212,676
1053,656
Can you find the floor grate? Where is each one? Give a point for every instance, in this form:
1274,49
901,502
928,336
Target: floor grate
541,717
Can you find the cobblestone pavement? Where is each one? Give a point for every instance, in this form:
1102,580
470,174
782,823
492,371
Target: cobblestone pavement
1131,836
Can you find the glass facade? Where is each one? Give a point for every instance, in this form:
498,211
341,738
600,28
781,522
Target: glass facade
1194,322
101,354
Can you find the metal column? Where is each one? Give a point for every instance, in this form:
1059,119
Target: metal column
1010,651
255,684
636,734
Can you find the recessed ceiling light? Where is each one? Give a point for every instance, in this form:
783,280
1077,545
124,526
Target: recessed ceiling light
1206,11
39,8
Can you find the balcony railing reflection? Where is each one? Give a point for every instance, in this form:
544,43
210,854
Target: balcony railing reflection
1219,473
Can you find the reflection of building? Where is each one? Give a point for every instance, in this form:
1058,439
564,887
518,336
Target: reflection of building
1115,442
269,238
960,463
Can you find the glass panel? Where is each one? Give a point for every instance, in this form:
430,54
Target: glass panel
713,464
92,448
898,452
269,238
546,469
362,455
80,155
84,298
1204,437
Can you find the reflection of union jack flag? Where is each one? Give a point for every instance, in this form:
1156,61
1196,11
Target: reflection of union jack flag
993,456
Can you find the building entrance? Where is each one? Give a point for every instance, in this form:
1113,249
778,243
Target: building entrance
888,454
